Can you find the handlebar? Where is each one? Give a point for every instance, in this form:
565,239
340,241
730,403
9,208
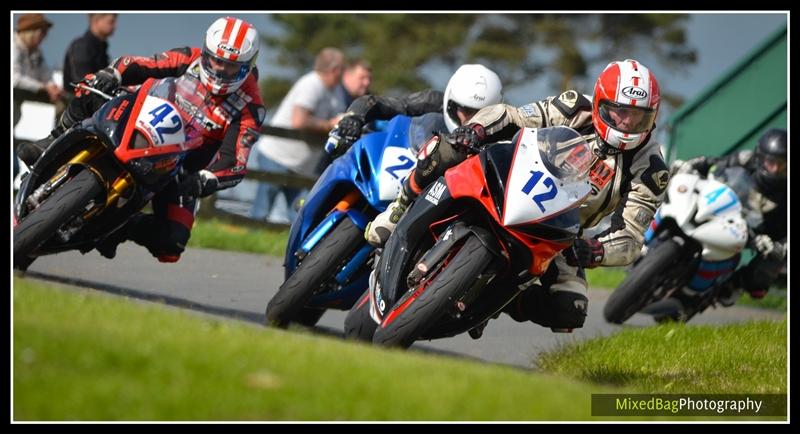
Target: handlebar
467,148
332,145
81,85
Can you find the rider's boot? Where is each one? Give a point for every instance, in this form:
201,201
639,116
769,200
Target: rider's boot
378,230
29,152
108,246
730,290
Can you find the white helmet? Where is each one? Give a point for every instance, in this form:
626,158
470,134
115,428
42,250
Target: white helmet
229,53
471,87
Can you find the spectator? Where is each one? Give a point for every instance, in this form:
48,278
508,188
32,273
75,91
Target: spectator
32,77
355,81
89,53
312,106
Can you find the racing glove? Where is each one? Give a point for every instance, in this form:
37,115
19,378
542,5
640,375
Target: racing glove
588,253
769,248
699,165
199,184
350,126
467,137
348,131
105,80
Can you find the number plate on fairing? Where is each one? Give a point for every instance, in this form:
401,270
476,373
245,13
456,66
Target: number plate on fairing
161,122
534,193
396,163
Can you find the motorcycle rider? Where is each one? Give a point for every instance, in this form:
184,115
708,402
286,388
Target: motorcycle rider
471,88
767,165
628,180
232,115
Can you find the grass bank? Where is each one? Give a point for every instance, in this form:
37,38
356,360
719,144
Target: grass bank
80,355
676,358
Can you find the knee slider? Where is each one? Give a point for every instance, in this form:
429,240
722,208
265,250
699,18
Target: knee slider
561,309
570,309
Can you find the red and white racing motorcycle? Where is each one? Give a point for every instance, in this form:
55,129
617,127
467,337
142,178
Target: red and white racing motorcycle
475,238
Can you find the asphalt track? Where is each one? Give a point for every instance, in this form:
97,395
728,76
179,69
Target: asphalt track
239,285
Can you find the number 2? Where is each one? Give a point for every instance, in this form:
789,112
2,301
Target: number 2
541,197
406,163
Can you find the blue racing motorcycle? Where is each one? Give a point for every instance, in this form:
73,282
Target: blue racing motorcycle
327,258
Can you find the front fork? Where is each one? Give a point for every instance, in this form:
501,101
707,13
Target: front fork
82,161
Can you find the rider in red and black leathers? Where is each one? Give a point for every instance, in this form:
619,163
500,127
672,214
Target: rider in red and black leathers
232,126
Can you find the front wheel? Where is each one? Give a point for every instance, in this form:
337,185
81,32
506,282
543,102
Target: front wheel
641,282
61,206
412,316
359,325
319,267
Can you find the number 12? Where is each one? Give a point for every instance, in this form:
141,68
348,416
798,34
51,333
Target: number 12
541,197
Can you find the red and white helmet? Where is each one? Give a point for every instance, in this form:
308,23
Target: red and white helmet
229,53
625,105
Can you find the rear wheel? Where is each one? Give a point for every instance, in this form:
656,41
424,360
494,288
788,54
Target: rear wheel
68,201
318,268
642,281
415,314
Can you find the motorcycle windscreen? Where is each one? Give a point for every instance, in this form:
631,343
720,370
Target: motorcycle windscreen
549,175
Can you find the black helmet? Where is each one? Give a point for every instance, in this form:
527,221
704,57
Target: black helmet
771,159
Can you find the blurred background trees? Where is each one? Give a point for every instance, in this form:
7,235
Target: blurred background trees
564,50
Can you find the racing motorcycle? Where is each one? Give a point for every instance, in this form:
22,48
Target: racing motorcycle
100,172
475,238
327,257
692,246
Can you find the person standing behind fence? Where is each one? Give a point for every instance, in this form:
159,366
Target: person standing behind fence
310,105
89,53
32,77
356,80
355,83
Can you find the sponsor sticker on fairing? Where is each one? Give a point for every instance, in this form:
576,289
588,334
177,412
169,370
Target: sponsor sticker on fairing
435,193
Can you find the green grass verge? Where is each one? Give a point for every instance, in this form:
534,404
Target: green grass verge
675,358
605,277
81,355
215,234
775,299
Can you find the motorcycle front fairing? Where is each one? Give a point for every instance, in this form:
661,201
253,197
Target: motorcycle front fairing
363,167
397,253
113,148
707,212
478,189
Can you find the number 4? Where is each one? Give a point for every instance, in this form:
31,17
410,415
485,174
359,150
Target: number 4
159,113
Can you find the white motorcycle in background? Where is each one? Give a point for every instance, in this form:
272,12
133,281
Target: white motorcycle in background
692,247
